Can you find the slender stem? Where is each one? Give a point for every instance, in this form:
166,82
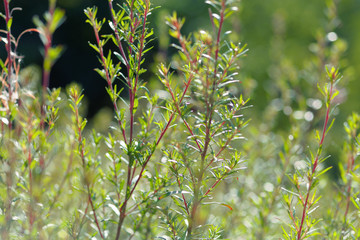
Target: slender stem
216,182
208,120
8,47
82,156
30,159
117,36
163,132
123,215
46,73
134,89
123,209
94,213
350,168
9,174
197,186
311,177
132,96
107,74
222,148
124,204
183,196
184,120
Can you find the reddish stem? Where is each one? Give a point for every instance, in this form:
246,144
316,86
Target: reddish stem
222,149
183,197
31,212
117,35
179,112
311,177
350,169
8,46
159,139
208,120
132,95
82,156
46,74
123,209
9,67
347,200
215,183
134,89
94,213
108,79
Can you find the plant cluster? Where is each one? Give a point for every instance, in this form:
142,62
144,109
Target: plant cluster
155,173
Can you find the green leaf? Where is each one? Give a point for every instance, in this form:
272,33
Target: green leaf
323,171
101,73
121,58
149,34
58,18
172,193
9,23
320,89
115,209
94,47
330,126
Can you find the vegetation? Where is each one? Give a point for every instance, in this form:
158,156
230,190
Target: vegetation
185,156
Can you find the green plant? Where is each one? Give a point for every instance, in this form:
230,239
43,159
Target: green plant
343,222
306,179
129,25
26,134
211,122
155,172
208,78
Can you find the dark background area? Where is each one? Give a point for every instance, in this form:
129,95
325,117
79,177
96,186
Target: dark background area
78,60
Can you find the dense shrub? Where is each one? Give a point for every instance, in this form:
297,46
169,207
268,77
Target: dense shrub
180,157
